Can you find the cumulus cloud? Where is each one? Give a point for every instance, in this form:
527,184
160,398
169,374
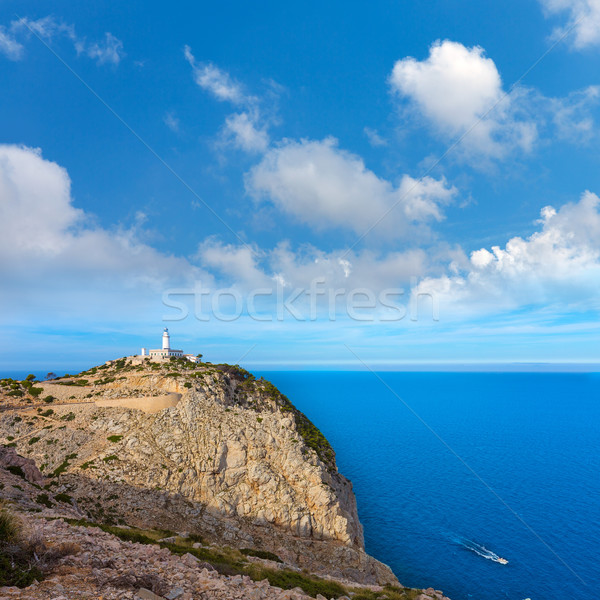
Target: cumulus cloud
108,51
332,277
459,90
558,264
324,186
52,254
583,17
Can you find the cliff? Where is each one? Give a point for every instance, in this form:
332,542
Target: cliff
203,450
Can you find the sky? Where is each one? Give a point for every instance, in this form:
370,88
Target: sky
316,185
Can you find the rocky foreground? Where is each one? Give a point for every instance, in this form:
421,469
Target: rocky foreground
226,492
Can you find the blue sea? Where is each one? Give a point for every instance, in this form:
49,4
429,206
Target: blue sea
452,470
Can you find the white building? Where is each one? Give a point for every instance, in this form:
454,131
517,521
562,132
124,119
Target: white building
166,351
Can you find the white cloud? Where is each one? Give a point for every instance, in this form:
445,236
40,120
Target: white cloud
171,121
9,45
46,27
212,79
583,18
459,90
301,268
374,138
246,130
324,186
242,131
53,259
459,93
572,116
110,50
558,264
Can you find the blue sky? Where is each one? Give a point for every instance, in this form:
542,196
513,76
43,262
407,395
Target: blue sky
436,162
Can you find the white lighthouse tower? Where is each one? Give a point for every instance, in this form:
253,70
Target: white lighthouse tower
166,342
164,353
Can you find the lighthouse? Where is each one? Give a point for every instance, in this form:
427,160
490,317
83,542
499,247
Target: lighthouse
166,343
164,353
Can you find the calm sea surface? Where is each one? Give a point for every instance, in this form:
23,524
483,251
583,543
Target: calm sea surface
499,464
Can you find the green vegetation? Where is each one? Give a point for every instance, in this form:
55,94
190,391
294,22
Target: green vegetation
16,471
64,465
49,399
311,435
35,392
68,417
114,438
45,500
62,497
229,561
79,382
260,554
17,559
47,413
33,440
110,458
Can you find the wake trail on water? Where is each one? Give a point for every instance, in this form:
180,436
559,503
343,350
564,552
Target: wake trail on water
480,550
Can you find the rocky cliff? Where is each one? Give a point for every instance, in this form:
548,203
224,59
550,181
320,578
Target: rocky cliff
230,458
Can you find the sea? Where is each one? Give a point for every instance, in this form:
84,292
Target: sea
454,471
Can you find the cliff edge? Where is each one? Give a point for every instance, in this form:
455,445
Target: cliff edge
228,458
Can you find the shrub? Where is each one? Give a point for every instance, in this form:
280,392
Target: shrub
16,471
260,554
43,499
114,438
47,413
35,392
10,526
110,458
49,399
33,440
63,498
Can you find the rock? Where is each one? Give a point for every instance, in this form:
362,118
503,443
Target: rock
9,458
144,594
190,560
175,593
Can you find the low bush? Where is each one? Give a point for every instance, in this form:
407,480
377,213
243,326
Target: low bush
260,554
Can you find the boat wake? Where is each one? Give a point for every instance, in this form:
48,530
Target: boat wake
481,551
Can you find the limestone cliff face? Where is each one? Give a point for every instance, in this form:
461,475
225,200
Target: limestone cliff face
241,461
233,460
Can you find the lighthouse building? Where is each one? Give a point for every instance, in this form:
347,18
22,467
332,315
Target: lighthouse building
166,351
